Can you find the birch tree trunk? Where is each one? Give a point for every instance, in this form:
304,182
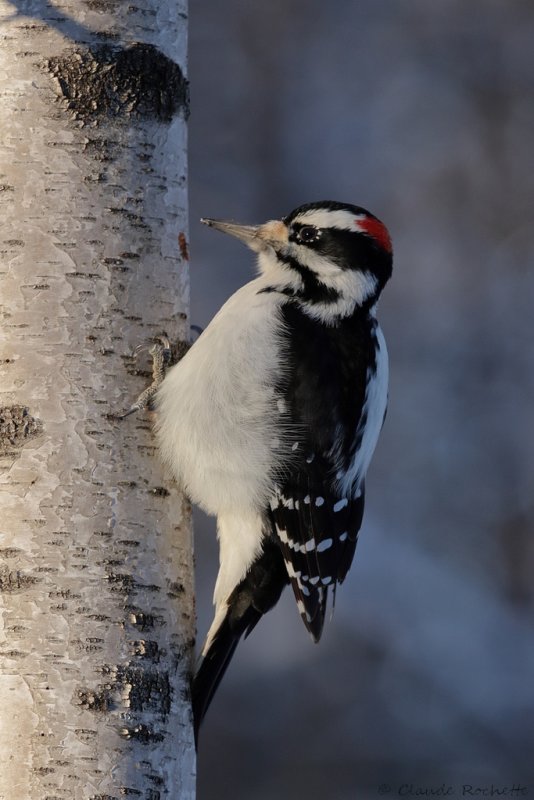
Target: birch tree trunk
96,611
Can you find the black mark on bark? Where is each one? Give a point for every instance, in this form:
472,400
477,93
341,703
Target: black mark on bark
95,699
143,622
17,427
145,648
111,81
102,797
14,581
147,689
10,552
121,582
176,589
142,733
159,491
139,688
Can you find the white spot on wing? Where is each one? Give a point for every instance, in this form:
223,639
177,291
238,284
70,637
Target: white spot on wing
341,504
319,501
343,536
324,545
282,535
284,538
291,570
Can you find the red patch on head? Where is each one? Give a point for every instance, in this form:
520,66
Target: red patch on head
376,230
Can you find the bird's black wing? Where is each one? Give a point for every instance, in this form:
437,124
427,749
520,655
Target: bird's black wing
317,531
316,522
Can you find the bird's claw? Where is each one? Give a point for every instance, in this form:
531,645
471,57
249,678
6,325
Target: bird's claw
161,353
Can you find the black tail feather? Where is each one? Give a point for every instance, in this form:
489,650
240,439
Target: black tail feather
213,665
257,593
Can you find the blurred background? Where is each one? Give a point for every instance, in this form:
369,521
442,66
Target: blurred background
424,114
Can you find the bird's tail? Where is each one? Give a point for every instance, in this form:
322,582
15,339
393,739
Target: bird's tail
257,593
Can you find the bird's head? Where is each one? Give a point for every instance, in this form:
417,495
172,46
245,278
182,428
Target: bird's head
333,256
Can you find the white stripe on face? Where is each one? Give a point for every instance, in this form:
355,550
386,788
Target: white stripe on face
322,218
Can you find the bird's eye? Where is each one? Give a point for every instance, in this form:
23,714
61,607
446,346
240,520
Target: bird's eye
308,233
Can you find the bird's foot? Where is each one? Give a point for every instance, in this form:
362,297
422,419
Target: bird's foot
162,354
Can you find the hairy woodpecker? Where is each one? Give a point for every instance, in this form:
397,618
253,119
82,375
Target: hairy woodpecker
271,419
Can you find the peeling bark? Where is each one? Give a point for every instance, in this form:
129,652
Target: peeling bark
96,609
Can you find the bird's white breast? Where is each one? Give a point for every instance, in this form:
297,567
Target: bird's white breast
216,406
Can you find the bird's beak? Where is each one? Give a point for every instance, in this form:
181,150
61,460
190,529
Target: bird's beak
257,237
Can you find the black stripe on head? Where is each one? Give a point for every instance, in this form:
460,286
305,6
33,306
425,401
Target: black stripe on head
287,290
357,251
314,291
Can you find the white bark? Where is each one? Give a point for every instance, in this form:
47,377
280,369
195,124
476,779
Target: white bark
96,616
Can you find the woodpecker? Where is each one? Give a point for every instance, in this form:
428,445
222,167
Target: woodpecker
271,419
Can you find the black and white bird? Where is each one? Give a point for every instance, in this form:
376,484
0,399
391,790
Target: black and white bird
271,419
